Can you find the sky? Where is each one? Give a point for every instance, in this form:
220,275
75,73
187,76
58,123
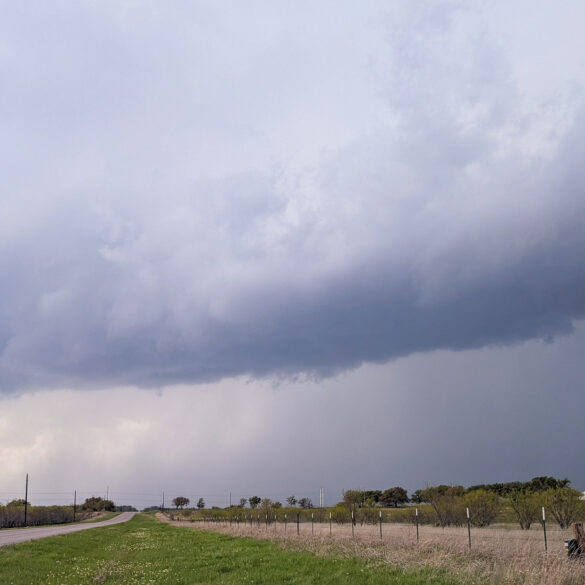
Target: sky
262,248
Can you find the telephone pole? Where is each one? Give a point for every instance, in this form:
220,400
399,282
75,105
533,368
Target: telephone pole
25,499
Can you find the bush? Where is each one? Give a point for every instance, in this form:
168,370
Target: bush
483,507
12,516
368,515
98,505
525,506
447,503
564,504
340,514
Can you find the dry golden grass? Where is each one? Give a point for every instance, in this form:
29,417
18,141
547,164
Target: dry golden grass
499,555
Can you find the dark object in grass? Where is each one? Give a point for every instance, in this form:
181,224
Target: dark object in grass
572,548
576,546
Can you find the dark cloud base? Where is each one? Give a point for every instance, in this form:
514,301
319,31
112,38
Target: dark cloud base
362,317
154,233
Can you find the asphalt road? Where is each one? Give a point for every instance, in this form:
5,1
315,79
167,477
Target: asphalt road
15,535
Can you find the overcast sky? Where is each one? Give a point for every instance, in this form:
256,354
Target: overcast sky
264,247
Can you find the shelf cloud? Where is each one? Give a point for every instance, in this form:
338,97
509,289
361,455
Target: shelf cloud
205,192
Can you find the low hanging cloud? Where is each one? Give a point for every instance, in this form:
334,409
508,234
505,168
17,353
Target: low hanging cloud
250,195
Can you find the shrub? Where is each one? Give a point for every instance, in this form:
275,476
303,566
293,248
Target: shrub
483,507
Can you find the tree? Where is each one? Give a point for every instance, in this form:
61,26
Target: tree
17,503
276,505
372,497
525,506
180,502
564,504
292,501
200,503
446,502
394,496
417,497
98,505
254,501
266,505
483,507
353,499
544,483
243,502
305,503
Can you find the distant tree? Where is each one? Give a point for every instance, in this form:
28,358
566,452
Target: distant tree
266,505
353,499
483,507
98,505
305,503
446,502
17,503
126,509
243,502
109,506
180,502
372,497
200,503
564,504
276,505
417,497
544,483
254,501
511,487
525,506
394,496
292,501
535,485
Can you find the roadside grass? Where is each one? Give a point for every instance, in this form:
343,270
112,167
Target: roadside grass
101,517
498,557
145,551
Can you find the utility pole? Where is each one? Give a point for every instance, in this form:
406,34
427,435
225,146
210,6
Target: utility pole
25,499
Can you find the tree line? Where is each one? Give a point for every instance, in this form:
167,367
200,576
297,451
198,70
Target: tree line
442,505
12,515
449,504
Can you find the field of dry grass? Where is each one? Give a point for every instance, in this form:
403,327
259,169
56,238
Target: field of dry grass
502,555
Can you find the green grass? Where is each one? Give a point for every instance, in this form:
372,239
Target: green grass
144,551
106,516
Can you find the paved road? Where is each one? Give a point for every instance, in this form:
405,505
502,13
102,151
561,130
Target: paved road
16,535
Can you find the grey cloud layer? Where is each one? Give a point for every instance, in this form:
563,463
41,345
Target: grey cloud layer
196,193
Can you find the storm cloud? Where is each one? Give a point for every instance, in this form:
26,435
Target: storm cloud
206,191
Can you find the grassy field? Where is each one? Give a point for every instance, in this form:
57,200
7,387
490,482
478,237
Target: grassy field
500,555
147,552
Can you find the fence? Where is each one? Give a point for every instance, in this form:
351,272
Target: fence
321,523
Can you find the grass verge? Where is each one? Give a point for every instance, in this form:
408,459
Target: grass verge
497,558
101,517
145,551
